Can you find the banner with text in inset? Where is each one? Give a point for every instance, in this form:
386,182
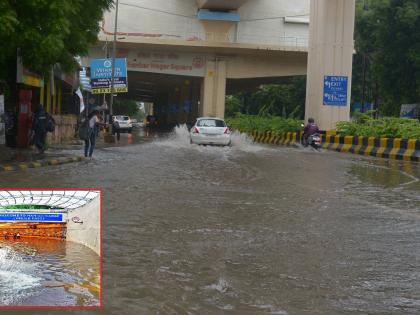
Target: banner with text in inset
31,217
101,76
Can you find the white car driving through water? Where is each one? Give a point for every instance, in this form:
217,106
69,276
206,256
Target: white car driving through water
210,130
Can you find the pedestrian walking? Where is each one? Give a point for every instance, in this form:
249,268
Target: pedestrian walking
42,123
90,141
11,128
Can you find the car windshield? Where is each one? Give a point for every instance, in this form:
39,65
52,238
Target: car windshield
211,123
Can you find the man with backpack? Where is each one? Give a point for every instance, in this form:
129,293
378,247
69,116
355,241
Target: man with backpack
42,123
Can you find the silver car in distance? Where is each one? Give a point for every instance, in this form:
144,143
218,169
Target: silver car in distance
210,130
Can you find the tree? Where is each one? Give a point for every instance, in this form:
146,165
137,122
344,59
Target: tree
47,32
286,100
125,107
232,105
387,37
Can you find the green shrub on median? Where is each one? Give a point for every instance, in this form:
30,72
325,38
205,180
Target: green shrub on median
363,125
387,127
274,124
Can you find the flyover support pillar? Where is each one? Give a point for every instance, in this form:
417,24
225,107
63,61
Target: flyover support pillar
214,89
330,54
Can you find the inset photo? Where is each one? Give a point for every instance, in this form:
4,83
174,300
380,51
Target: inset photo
50,248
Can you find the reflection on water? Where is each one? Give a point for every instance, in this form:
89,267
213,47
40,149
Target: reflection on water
250,229
387,173
48,272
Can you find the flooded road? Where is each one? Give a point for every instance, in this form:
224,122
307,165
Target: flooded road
47,272
250,229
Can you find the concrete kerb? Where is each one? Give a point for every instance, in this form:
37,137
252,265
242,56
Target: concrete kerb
39,163
389,148
287,139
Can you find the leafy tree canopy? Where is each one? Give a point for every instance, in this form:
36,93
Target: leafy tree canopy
285,100
387,35
48,32
125,107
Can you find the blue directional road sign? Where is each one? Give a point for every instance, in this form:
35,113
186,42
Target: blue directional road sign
335,90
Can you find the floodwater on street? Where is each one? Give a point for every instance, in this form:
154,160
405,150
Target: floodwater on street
48,272
249,229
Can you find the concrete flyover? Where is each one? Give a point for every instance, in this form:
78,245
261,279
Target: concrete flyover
201,47
184,56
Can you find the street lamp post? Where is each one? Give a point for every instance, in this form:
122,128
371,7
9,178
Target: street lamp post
114,44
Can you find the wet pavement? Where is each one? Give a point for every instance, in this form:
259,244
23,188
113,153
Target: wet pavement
250,229
11,156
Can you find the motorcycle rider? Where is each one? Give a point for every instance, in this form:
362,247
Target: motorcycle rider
310,129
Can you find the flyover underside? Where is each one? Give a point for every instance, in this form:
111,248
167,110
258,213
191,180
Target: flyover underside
175,98
184,82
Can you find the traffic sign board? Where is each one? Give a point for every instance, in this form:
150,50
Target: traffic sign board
335,90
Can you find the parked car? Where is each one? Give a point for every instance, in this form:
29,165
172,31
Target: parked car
210,130
122,124
136,124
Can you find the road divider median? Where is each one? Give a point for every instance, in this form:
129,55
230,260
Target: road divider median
388,148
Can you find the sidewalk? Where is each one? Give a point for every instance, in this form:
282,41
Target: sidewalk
12,159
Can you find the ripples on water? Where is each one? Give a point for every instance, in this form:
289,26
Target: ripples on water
252,229
48,272
17,280
180,139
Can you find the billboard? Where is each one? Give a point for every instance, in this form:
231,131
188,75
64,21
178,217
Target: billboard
101,76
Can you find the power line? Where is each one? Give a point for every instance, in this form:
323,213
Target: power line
157,10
